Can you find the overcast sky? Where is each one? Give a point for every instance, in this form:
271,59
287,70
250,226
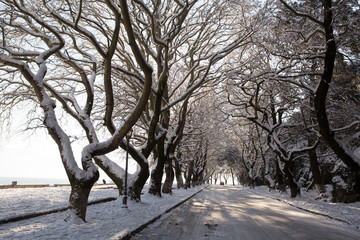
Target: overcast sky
30,156
37,156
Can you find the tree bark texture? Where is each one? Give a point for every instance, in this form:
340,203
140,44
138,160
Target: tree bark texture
322,90
80,190
315,170
136,188
179,179
157,173
320,100
189,174
289,179
117,180
279,178
169,176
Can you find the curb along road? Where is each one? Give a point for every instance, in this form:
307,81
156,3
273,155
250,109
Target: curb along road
38,214
139,229
303,209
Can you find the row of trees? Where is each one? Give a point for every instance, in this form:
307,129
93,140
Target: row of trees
113,67
299,87
251,88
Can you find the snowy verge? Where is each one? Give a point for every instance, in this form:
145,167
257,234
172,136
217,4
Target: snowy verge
21,202
104,221
42,213
347,213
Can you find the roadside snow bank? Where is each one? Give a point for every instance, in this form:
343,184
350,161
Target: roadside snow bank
349,213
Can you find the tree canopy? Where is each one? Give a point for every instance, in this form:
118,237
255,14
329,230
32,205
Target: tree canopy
264,91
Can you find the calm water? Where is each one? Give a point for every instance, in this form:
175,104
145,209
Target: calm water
24,181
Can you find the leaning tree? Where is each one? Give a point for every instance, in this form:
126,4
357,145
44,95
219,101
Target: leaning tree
52,54
327,40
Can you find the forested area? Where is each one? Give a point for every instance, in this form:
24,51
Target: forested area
267,92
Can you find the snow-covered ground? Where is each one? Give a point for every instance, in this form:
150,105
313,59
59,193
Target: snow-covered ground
104,221
110,221
22,201
347,213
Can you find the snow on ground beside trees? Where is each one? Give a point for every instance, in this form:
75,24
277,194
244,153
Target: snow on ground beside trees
104,221
22,201
110,221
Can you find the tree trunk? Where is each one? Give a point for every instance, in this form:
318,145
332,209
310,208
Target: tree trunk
157,173
137,186
232,176
80,187
314,166
179,179
189,174
195,179
80,190
320,99
156,177
250,182
169,176
281,186
201,178
289,178
111,173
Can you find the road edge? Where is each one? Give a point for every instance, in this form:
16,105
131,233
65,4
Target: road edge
301,208
143,226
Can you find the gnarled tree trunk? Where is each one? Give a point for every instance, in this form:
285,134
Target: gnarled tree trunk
80,190
179,179
158,171
189,174
289,179
315,170
137,186
169,176
279,178
320,100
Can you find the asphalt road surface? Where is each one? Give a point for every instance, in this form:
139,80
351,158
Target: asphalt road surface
225,212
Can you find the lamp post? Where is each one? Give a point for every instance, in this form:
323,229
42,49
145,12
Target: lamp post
128,136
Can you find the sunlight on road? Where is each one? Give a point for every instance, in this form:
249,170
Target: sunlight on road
229,212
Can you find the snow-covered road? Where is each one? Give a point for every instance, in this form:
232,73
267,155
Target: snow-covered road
233,213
